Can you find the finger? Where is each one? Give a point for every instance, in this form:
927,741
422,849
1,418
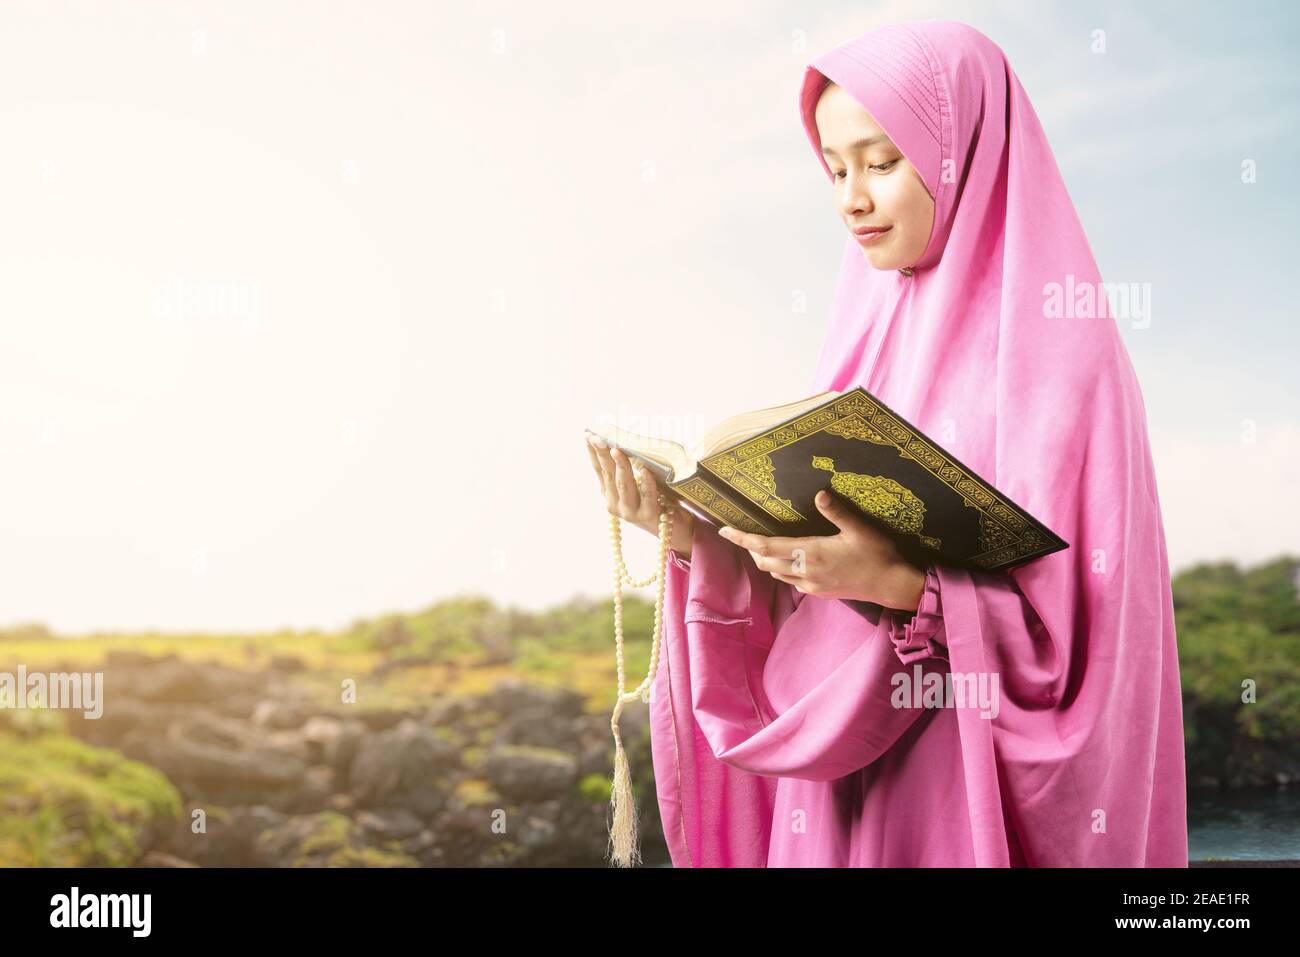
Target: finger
772,546
751,541
606,472
627,490
773,565
834,509
649,487
800,584
595,463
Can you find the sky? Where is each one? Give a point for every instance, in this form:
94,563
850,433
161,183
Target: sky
306,305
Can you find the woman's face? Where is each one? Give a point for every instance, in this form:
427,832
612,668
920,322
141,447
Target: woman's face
875,185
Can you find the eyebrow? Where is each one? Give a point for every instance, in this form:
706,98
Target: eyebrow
858,145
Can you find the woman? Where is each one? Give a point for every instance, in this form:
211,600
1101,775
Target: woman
778,731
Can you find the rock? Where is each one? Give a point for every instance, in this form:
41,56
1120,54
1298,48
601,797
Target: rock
597,758
287,664
527,773
391,764
241,704
327,839
229,838
538,832
207,727
190,682
121,659
322,731
162,859
421,844
288,782
470,808
512,695
390,823
425,803
537,726
381,719
120,716
191,761
332,741
278,714
447,711
314,792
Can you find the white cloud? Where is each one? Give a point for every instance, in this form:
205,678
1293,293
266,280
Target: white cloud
457,262
1227,496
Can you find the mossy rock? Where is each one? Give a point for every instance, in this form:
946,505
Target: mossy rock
596,788
474,756
476,792
69,804
328,839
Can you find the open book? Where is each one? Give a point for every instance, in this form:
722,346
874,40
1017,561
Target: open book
759,472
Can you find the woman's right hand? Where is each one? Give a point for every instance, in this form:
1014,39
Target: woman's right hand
639,506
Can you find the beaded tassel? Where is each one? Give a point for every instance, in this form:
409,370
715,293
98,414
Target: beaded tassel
623,846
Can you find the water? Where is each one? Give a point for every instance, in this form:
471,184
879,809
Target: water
1244,825
1256,825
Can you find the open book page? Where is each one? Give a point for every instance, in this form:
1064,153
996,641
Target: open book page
670,461
666,458
737,428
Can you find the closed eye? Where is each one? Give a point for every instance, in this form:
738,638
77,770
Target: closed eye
878,167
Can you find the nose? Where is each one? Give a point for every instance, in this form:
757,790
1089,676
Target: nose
855,200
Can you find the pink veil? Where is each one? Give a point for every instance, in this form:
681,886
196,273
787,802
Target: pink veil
1083,763
973,349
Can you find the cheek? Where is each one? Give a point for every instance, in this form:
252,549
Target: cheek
912,209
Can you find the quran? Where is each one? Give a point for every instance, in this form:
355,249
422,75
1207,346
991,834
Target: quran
760,471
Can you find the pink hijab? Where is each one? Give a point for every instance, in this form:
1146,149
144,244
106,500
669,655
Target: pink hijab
1049,410
1046,408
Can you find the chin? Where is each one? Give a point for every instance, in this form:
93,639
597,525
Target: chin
887,259
880,262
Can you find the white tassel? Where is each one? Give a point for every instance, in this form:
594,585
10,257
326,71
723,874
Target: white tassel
623,846
624,850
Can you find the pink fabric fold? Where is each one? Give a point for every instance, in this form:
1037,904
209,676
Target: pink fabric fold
920,635
789,730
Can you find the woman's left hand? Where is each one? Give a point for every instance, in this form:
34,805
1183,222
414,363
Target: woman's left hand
860,562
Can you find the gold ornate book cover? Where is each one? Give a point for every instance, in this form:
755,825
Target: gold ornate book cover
933,506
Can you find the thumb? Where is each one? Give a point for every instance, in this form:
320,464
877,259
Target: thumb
836,511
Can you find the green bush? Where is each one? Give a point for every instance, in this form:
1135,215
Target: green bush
1237,626
64,803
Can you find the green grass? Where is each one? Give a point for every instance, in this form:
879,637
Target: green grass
64,803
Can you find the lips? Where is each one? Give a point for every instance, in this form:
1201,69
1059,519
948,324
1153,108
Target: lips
866,235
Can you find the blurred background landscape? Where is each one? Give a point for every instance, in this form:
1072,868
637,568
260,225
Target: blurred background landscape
306,305
397,741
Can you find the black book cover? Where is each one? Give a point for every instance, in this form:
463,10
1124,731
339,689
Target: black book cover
935,508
